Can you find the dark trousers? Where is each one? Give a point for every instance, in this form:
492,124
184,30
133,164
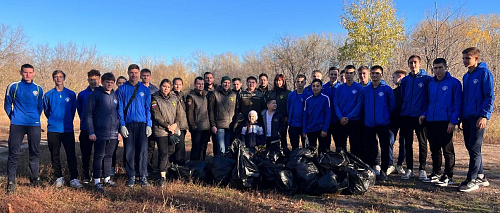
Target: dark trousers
333,134
16,135
113,160
371,146
324,142
410,124
395,127
441,143
473,141
296,135
103,154
199,144
67,139
137,142
179,155
151,151
86,149
352,130
164,150
215,143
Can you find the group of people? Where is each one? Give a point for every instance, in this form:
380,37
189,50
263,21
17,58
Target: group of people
368,113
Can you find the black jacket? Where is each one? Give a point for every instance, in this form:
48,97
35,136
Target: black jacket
281,97
277,124
101,114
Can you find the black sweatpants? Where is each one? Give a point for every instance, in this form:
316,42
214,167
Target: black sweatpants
296,135
103,154
324,142
441,143
179,155
199,144
371,146
164,150
16,135
352,130
67,139
86,146
410,124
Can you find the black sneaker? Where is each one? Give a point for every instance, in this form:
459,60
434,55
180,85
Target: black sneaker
433,178
163,182
382,176
471,185
130,181
36,182
86,178
144,181
98,188
11,187
444,181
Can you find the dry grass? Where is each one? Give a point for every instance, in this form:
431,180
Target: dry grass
394,195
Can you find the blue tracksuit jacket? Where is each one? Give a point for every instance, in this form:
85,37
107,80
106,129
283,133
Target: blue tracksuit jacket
317,113
23,103
329,90
445,100
378,105
414,91
348,101
139,109
102,114
81,103
60,109
479,94
295,107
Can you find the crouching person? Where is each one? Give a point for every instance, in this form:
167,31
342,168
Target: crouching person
102,122
166,113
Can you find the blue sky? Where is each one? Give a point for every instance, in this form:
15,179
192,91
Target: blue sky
180,28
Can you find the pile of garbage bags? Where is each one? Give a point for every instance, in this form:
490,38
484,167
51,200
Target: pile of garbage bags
300,172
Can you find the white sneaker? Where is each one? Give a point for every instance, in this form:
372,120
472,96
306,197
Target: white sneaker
482,182
75,183
400,169
408,174
422,174
59,182
390,170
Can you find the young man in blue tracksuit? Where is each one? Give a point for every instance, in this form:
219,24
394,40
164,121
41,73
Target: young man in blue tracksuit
59,106
316,118
94,80
134,103
347,106
378,103
103,125
295,107
23,105
414,90
478,99
442,114
329,89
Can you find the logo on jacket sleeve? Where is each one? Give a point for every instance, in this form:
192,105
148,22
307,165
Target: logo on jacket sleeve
381,94
420,84
444,88
475,81
154,104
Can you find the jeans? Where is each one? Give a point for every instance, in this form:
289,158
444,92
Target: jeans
395,126
223,139
137,142
103,154
409,125
441,143
67,139
16,135
473,141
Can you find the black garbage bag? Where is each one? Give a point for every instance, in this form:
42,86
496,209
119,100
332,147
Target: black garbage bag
197,169
179,172
285,182
306,175
327,183
297,156
234,148
332,161
219,169
246,172
361,176
273,153
267,170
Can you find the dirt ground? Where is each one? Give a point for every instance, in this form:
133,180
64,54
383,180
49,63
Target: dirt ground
394,195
